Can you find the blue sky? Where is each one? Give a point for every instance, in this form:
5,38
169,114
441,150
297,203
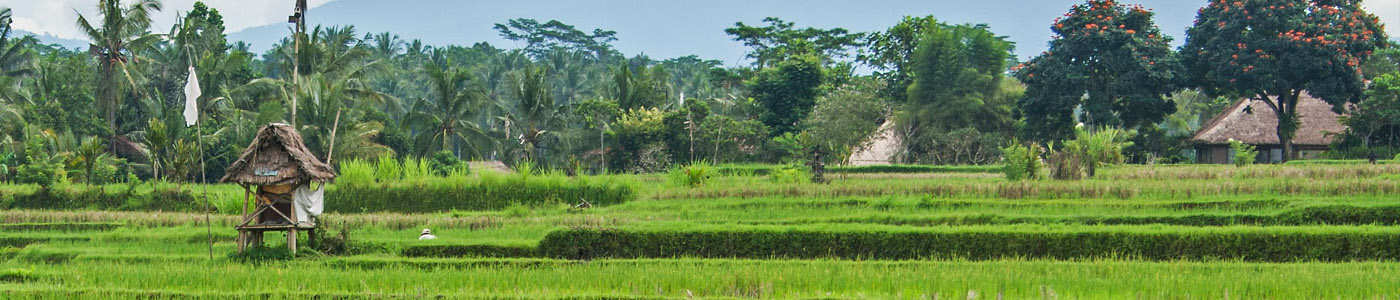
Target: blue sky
660,29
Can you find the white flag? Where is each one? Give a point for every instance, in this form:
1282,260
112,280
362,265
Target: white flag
192,94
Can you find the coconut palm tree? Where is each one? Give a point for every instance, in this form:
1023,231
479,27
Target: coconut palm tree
446,119
16,62
122,32
534,118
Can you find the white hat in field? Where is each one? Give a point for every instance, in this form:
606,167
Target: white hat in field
426,231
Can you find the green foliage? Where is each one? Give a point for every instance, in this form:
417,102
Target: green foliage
1237,49
417,168
1114,54
488,191
40,166
1372,123
694,174
444,163
640,136
17,275
474,250
957,79
356,172
793,148
1083,156
787,92
1243,154
790,174
388,169
1022,162
845,118
780,41
886,243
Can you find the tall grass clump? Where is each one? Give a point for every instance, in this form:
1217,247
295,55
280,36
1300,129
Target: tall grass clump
355,171
1089,150
692,175
387,169
1244,153
416,169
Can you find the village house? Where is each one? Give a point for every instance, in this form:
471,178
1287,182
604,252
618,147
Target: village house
1254,123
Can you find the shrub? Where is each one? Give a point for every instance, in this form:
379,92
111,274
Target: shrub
444,163
1022,161
1244,153
40,167
790,174
692,175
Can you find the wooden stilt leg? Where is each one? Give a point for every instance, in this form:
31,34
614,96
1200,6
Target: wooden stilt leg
292,240
256,238
242,240
311,237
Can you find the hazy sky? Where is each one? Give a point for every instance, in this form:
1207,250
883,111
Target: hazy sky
660,29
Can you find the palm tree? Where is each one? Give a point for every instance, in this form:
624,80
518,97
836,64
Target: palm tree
122,31
447,117
15,62
534,117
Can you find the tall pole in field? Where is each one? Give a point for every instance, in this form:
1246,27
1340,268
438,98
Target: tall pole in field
192,94
299,18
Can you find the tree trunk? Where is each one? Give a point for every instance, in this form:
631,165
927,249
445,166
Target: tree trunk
109,101
1287,113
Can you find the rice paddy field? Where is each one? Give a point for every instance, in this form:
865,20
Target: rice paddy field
1293,231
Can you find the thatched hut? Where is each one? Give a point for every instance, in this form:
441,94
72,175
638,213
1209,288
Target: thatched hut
1254,123
277,172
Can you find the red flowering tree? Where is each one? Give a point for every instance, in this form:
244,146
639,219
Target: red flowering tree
1263,48
1108,59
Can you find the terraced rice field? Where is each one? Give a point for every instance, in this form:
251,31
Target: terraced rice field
1137,232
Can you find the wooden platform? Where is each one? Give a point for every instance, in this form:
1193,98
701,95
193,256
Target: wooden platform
276,227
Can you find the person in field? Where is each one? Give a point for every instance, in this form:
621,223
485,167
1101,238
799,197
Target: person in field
427,235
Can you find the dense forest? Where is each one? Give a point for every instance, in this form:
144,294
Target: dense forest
569,100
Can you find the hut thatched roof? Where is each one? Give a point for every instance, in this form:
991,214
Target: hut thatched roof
277,156
1319,124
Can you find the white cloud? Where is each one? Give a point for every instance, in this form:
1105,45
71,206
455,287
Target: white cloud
58,17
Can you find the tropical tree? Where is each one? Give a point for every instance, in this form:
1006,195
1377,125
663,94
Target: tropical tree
534,118
1275,50
447,118
780,40
787,92
115,43
1108,59
16,62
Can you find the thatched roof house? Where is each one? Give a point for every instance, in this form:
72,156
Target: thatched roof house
278,157
1254,123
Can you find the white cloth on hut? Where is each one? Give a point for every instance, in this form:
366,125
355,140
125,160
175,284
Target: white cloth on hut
308,203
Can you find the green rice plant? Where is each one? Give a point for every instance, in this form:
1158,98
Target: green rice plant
1273,244
356,171
17,275
691,175
387,169
416,169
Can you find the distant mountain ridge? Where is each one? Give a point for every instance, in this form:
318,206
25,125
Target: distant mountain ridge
53,40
